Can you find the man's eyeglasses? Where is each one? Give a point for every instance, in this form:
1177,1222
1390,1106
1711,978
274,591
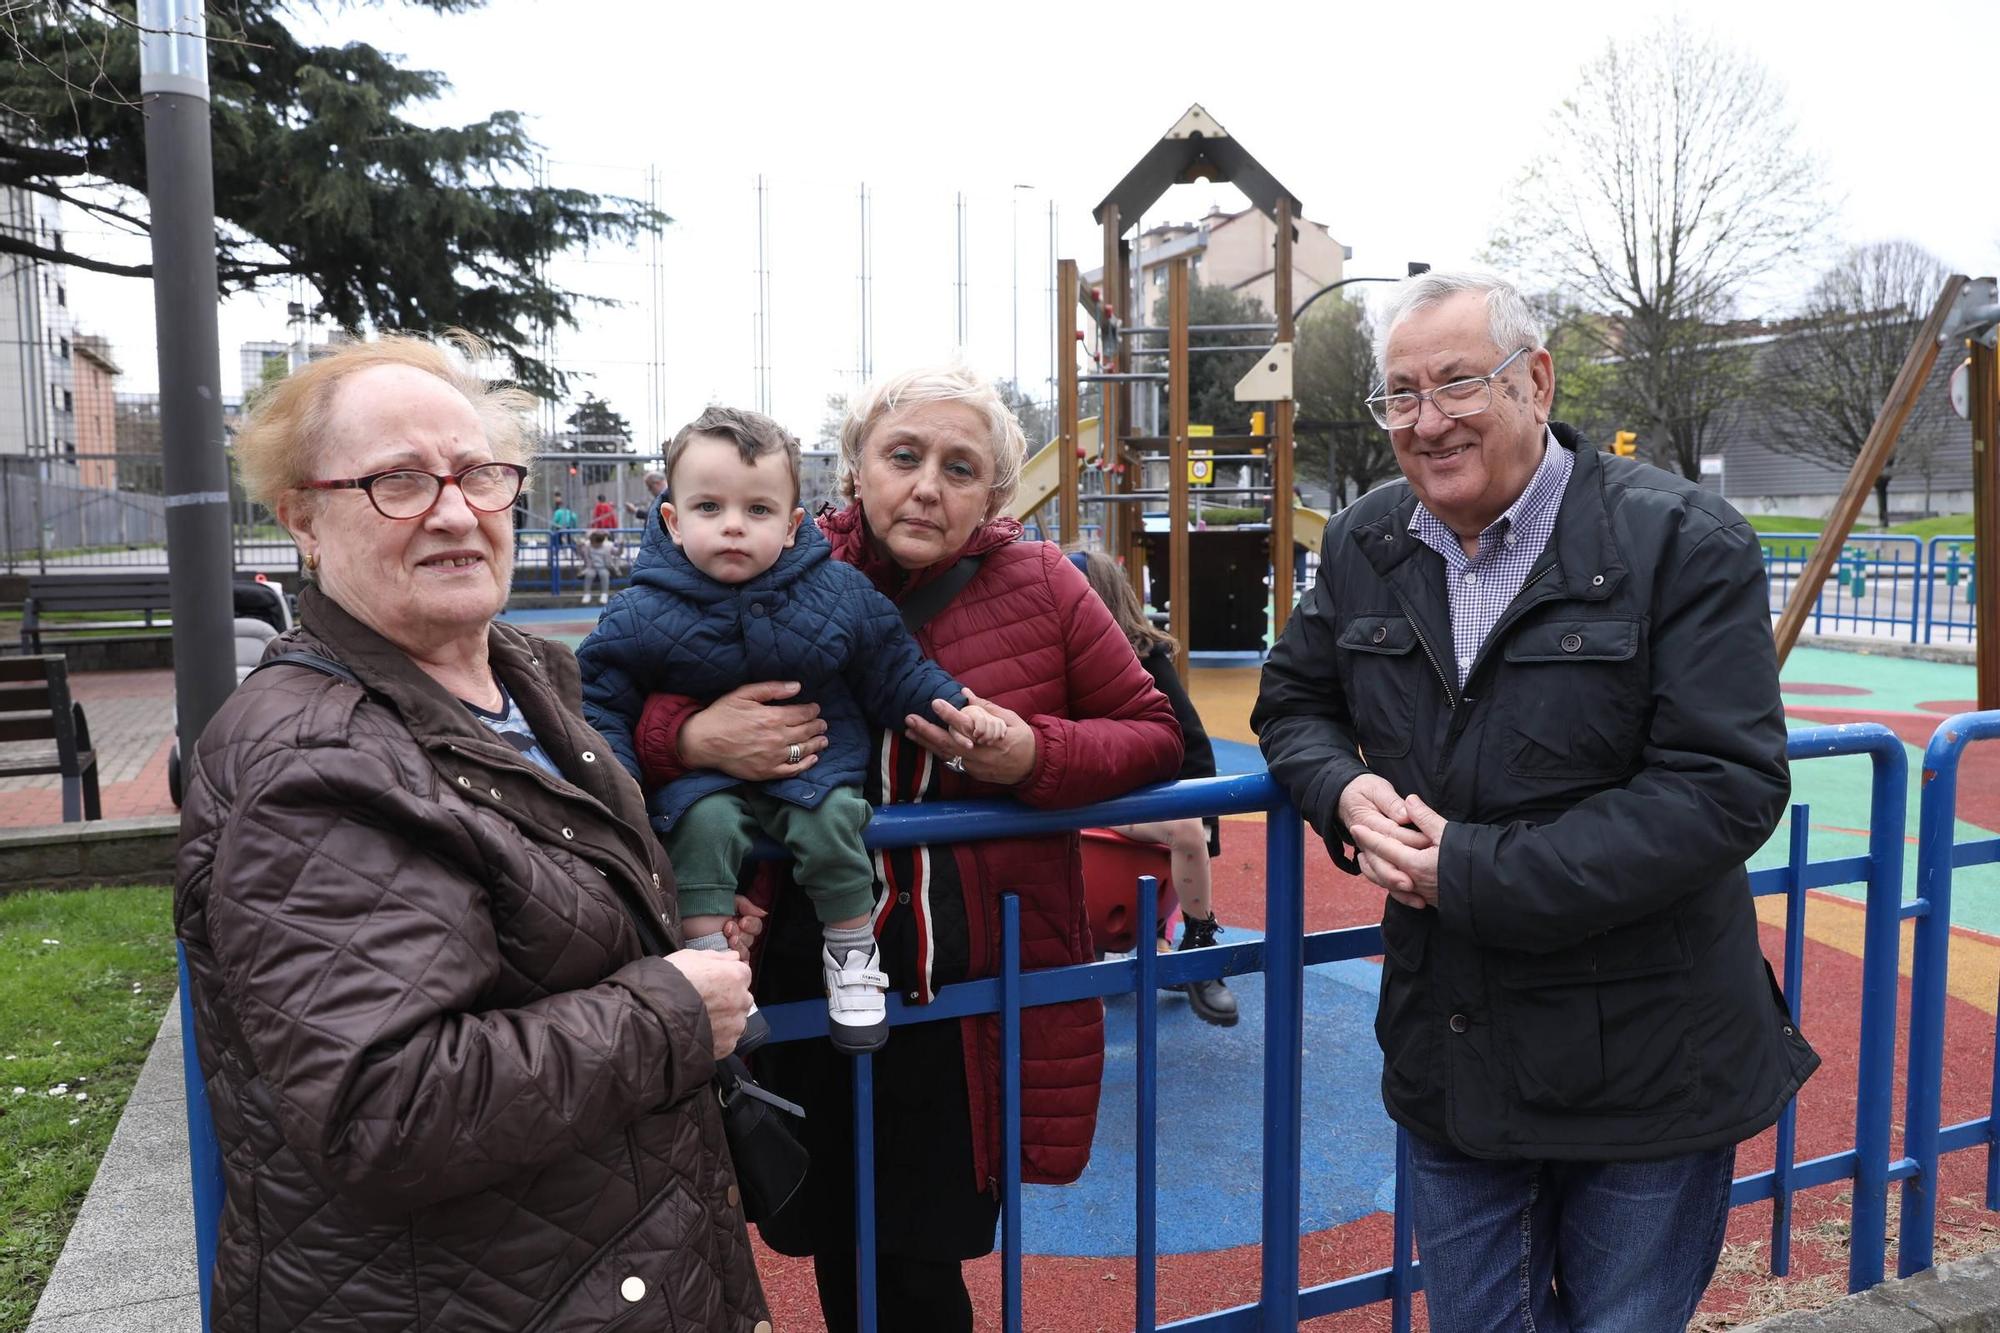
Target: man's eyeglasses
1460,398
404,493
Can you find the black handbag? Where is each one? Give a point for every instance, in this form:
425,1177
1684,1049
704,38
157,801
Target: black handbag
771,1163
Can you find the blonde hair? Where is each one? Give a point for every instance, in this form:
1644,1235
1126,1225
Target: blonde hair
285,433
1107,579
953,382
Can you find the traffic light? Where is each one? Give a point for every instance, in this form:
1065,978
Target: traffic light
1625,443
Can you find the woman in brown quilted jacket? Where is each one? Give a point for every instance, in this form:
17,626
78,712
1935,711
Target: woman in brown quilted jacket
459,1065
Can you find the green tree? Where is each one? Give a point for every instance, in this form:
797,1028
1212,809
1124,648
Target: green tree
1212,376
318,174
1333,372
595,429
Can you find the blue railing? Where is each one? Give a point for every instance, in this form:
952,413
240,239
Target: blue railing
1282,957
1950,568
550,560
1876,585
1938,855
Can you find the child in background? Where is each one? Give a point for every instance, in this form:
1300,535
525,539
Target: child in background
1190,842
600,565
733,585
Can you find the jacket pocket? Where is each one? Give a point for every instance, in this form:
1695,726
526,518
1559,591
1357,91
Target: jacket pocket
1574,702
657,1268
1601,1027
1379,657
1403,1027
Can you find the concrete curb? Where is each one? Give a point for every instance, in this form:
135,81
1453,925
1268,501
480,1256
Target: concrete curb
100,851
1953,654
1958,1297
129,1263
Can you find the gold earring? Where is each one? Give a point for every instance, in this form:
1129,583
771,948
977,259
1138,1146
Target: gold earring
312,562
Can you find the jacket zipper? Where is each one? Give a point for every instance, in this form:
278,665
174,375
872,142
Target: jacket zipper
1409,611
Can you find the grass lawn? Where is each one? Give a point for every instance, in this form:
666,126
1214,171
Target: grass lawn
84,979
1944,525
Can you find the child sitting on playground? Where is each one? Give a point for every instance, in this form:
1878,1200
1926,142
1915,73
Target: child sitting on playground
733,585
1190,842
600,565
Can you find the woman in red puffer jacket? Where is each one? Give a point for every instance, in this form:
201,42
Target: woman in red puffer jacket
929,458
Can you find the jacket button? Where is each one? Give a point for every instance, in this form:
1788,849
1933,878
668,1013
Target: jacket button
569,835
1459,1023
588,757
757,609
633,1289
1381,633
903,898
733,1197
1572,642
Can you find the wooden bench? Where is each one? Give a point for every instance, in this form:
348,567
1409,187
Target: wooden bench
101,595
35,706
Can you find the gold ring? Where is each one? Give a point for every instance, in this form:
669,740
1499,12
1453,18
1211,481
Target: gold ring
793,754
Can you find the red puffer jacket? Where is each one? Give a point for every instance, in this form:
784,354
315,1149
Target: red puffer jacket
1028,634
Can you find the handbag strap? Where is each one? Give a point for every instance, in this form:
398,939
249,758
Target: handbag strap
326,666
935,596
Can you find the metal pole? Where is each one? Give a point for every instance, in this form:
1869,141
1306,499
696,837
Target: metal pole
173,82
1985,409
1180,615
1280,473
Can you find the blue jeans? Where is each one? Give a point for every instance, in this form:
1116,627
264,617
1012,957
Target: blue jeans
1566,1247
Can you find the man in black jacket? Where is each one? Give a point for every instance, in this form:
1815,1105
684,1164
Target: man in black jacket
1535,689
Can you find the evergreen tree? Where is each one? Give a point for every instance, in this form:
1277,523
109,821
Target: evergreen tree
395,224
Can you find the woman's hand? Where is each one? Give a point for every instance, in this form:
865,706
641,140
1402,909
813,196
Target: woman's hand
1007,764
749,736
743,929
723,982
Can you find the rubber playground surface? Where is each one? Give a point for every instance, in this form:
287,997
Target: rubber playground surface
1078,1273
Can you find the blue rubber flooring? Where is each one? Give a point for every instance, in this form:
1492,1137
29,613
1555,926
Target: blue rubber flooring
1210,1147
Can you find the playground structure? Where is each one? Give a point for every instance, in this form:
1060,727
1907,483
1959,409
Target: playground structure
1109,446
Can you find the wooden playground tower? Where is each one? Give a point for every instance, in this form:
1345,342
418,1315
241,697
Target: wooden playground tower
1196,148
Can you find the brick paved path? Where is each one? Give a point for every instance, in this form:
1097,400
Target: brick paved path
131,716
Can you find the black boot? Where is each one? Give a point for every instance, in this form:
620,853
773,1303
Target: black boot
1210,1000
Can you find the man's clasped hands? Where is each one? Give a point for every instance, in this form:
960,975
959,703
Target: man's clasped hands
1396,839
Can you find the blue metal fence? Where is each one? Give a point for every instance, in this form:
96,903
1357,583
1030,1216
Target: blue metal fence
1876,587
1938,854
551,560
1949,569
1282,957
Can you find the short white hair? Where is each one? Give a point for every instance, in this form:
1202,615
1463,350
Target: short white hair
1511,321
951,382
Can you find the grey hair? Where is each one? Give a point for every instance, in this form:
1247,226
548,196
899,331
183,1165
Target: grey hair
1511,321
951,382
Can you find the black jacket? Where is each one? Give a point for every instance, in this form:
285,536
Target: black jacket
1198,756
1590,985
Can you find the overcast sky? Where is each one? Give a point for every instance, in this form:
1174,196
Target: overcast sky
926,101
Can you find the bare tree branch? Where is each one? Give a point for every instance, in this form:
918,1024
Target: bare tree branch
1669,191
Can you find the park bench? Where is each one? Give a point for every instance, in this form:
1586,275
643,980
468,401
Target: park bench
102,597
35,706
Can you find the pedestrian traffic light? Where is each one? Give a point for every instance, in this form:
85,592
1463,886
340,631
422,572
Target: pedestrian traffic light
1625,443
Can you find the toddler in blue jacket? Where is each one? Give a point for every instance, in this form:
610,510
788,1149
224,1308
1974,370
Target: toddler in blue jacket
735,584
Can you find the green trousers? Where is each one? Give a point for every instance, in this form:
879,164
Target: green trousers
711,840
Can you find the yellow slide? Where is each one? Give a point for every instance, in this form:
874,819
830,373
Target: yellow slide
1308,526
1041,475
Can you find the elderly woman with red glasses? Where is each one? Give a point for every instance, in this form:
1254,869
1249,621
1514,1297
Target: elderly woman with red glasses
458,1062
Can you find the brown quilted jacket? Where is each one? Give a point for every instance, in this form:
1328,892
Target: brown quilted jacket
455,1085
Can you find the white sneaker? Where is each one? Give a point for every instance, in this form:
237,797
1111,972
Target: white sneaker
856,1003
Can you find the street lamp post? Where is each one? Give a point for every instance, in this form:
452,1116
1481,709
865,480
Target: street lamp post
173,83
